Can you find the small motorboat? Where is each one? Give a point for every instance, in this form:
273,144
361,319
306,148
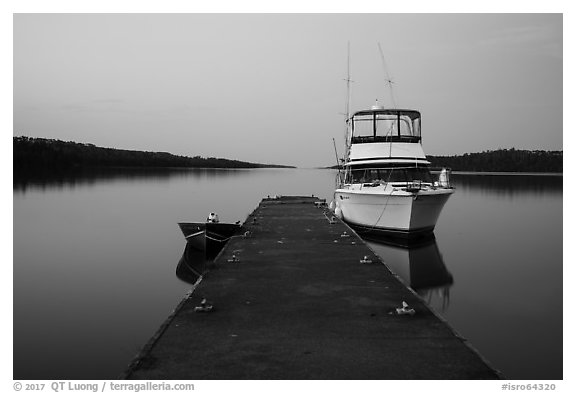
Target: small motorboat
209,236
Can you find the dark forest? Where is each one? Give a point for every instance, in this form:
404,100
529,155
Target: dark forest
38,153
503,160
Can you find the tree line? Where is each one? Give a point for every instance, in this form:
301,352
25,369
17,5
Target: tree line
503,160
39,153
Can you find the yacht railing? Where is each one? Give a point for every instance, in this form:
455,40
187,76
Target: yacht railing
443,180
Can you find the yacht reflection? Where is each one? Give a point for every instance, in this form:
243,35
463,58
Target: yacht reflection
193,264
419,264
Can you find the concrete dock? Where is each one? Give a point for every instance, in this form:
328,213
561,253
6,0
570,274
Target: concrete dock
297,299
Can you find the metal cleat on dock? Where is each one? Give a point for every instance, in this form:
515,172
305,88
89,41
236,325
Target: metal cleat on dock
405,310
365,259
345,234
234,258
203,307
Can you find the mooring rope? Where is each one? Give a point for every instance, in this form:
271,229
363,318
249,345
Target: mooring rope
387,199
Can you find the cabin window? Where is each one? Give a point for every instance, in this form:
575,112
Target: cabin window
390,126
363,127
405,126
386,125
394,125
422,174
400,175
416,127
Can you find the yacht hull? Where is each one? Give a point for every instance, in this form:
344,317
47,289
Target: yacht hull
400,213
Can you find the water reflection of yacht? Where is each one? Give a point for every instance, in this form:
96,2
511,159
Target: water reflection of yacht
419,264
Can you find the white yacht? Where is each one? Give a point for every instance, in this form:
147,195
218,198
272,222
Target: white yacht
386,185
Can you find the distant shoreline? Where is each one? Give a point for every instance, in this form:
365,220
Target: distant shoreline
494,173
39,154
502,161
508,173
49,154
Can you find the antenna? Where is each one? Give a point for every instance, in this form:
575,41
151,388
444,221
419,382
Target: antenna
388,80
348,85
348,101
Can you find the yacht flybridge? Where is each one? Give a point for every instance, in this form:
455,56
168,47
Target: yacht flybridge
386,185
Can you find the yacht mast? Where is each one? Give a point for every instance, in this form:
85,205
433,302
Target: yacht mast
348,103
348,86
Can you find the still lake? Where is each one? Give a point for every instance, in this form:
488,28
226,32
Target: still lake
95,258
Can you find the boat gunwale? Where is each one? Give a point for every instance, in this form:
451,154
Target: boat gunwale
396,191
386,161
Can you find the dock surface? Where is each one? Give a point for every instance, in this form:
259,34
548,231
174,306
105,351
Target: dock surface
295,302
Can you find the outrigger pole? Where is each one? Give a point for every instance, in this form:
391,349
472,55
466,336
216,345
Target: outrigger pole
389,80
348,86
337,163
336,152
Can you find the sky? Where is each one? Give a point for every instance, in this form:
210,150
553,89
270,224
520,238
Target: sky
270,88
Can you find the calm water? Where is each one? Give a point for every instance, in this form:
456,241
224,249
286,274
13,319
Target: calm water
95,261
